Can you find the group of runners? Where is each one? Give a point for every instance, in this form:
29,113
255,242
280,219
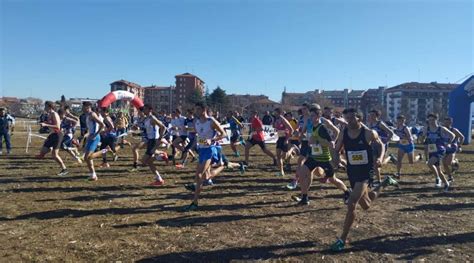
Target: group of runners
320,142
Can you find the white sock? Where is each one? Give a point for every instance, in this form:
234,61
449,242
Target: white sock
158,177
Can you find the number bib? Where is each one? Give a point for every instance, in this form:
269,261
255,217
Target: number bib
432,148
358,157
316,149
203,141
281,133
404,141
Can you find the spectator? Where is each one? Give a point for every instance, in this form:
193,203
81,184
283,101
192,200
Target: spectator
267,119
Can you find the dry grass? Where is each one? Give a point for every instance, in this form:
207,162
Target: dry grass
44,217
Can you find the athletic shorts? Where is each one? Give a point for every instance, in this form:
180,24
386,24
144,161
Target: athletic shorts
66,143
259,143
183,137
452,149
311,163
191,145
91,144
235,137
281,144
362,174
218,157
207,153
295,142
439,155
305,150
108,140
407,148
151,146
53,140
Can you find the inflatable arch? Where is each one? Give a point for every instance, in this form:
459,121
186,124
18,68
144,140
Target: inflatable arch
120,95
460,107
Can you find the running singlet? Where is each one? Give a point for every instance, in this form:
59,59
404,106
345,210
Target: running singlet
280,128
151,131
257,127
318,152
92,125
381,132
434,140
67,127
205,133
400,132
359,153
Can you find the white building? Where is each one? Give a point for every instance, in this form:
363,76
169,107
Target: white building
416,100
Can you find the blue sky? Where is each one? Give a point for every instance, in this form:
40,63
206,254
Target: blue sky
77,48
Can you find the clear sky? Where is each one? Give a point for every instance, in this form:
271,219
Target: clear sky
77,48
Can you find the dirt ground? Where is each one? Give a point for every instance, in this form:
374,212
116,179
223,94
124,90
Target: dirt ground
44,217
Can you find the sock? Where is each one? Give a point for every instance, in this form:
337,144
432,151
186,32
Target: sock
158,177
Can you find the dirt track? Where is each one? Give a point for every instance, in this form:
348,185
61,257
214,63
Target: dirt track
44,217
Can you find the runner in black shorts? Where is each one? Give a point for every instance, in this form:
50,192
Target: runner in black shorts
319,161
257,137
53,141
357,141
284,129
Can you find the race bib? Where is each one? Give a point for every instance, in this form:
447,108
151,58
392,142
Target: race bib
358,157
404,141
316,149
432,148
190,129
203,141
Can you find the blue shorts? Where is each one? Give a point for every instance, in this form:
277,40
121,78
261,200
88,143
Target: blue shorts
66,143
207,153
91,144
439,154
407,148
218,157
452,149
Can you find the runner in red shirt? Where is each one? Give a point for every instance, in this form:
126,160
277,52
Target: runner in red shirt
257,137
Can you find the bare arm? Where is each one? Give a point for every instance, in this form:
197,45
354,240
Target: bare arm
387,130
373,138
157,122
216,126
447,132
101,124
459,135
331,126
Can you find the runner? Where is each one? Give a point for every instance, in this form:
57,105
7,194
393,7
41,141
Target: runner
358,142
294,141
385,134
94,127
405,145
191,145
154,129
178,131
235,131
68,124
121,125
283,129
435,144
257,137
6,128
139,125
108,138
208,131
53,141
319,161
450,163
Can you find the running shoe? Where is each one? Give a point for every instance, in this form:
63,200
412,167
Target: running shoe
158,183
450,179
134,170
347,194
338,246
208,182
63,172
393,159
446,188
389,181
301,201
438,183
455,165
93,178
279,174
242,168
292,185
116,157
190,207
421,156
190,187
